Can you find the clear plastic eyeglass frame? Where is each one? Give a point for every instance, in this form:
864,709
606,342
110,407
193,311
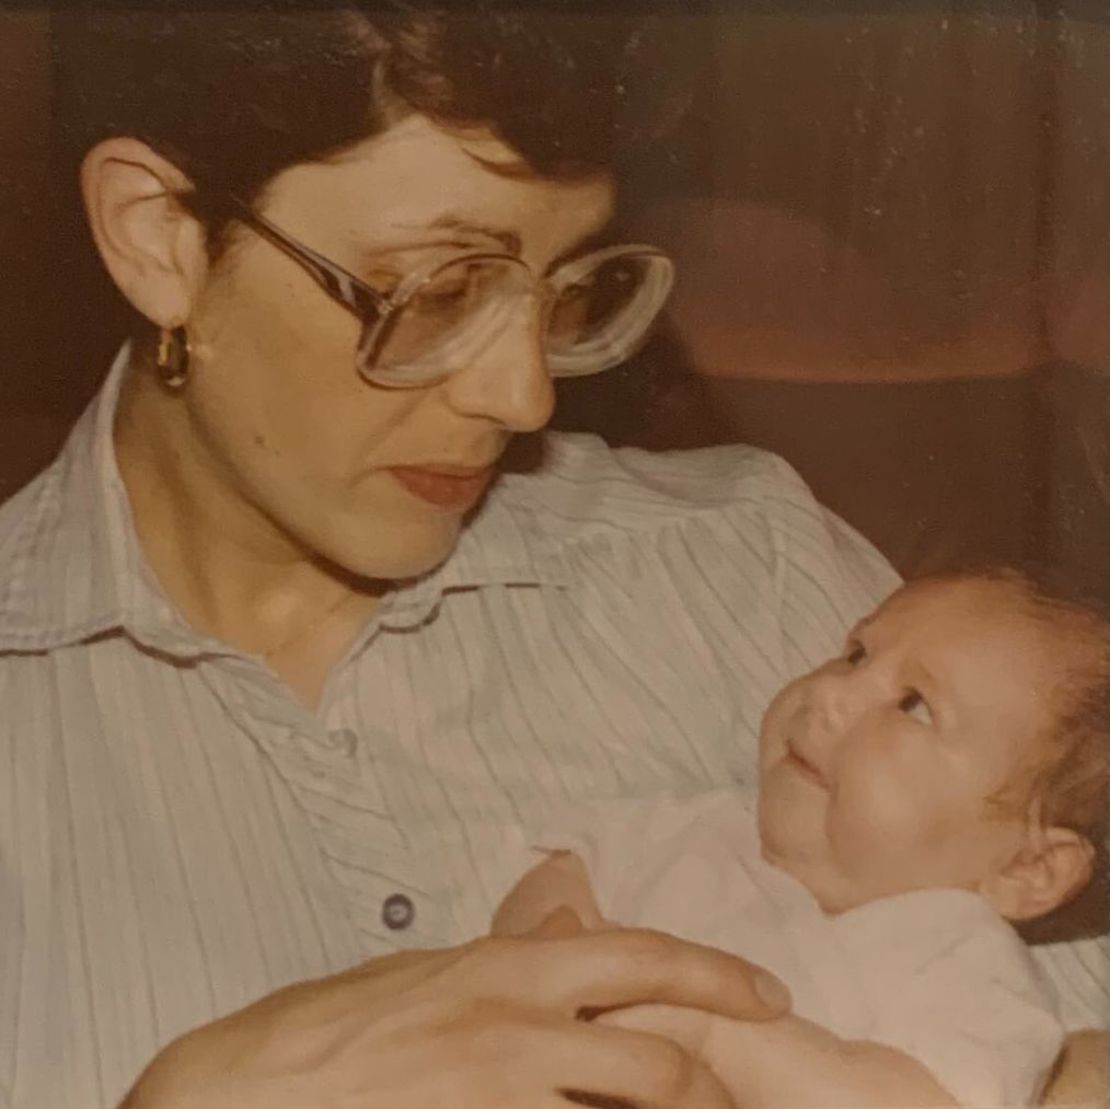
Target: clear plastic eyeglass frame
378,312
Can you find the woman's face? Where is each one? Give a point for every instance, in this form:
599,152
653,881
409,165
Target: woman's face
374,480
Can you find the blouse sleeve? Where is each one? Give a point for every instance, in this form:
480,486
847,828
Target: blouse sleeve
720,575
827,575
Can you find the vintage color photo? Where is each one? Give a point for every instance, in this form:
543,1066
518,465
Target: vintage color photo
554,554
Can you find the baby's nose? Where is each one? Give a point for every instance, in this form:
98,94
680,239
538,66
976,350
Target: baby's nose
833,704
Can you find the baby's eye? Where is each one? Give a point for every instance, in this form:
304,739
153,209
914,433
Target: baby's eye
914,705
854,654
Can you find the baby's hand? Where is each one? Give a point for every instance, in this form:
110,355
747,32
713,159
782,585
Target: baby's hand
789,1062
559,882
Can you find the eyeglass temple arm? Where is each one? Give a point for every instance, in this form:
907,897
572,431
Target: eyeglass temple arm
334,280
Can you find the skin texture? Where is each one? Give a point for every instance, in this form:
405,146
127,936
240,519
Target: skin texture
559,882
879,772
1083,1077
262,491
489,1024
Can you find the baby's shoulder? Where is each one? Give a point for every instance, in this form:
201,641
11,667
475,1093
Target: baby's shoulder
946,934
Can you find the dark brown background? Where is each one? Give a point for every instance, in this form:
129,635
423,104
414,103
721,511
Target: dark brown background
893,228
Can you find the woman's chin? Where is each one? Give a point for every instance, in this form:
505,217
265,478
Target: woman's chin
391,552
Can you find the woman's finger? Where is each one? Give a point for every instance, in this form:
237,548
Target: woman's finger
690,1028
616,1068
613,969
595,1101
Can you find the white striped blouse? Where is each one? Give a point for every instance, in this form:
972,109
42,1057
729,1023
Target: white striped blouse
179,835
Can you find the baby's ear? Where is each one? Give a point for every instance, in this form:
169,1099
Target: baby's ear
1051,867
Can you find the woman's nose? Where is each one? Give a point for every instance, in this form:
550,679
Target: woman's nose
508,383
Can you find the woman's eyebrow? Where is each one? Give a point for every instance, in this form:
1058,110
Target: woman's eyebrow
510,240
445,230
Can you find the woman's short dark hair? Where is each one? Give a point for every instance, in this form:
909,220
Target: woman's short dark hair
233,97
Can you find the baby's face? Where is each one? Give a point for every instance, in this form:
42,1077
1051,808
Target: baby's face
878,769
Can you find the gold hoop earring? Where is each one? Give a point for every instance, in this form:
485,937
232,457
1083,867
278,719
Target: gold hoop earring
172,359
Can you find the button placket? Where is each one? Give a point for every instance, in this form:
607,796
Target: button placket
333,771
360,702
292,737
343,741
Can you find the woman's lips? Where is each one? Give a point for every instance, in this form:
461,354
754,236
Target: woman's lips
454,488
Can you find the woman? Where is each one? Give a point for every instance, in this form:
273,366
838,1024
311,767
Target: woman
283,665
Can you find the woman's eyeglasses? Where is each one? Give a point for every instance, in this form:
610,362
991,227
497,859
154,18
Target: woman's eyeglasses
595,310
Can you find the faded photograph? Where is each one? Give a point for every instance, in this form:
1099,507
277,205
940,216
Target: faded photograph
555,554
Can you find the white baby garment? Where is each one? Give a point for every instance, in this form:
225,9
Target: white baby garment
934,973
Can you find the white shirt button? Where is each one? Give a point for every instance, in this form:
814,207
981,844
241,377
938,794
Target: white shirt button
345,741
398,912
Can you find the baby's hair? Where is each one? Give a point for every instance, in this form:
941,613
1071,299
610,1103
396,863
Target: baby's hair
1069,781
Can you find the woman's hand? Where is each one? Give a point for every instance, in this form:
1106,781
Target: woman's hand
492,1023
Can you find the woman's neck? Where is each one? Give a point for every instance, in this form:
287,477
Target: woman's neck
230,571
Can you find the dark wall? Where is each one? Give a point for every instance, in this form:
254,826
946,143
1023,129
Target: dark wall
893,231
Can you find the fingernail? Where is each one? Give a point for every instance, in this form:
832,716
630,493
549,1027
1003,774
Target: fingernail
772,992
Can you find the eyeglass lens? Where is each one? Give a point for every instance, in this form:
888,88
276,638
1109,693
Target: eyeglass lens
591,321
448,319
598,319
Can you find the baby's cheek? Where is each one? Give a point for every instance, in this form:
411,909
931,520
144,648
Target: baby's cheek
791,817
875,815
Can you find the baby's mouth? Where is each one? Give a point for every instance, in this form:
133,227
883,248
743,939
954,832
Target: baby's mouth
803,766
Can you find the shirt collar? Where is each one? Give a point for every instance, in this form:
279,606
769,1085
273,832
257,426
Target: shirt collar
501,546
71,567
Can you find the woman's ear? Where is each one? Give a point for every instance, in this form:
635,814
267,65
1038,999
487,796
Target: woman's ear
1051,867
151,245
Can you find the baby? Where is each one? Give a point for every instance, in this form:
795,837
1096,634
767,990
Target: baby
945,775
